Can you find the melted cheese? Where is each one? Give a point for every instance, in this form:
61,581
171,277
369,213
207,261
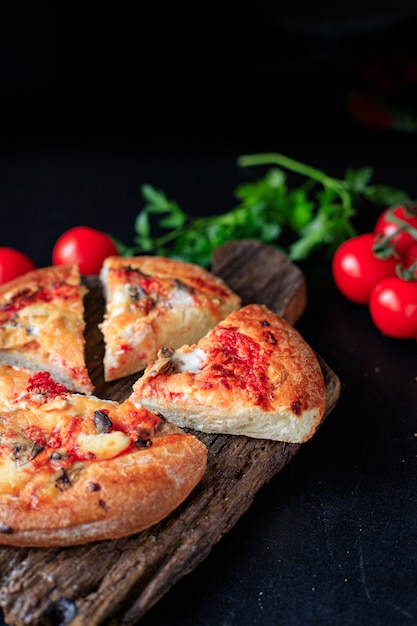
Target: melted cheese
35,316
29,324
103,445
11,477
191,361
13,336
120,300
43,437
81,404
181,297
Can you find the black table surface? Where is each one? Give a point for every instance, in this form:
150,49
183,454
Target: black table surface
332,538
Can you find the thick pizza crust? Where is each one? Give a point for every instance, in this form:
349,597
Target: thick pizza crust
190,301
253,375
110,498
273,388
48,333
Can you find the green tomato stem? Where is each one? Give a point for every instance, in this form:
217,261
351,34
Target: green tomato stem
403,226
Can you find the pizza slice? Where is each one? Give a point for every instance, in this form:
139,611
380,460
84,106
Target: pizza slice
253,374
76,468
42,324
152,302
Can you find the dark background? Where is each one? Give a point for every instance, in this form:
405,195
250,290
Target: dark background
97,102
166,66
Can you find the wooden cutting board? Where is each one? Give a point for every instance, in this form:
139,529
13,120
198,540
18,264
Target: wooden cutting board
118,581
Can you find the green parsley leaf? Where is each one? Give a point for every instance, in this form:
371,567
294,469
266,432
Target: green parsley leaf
313,216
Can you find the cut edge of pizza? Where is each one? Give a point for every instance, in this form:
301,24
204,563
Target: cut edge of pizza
42,324
253,374
76,468
154,302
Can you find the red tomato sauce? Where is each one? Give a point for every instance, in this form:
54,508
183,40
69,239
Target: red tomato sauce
240,362
43,383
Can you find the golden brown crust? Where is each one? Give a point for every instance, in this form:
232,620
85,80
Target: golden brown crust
76,468
256,376
111,498
152,302
42,324
41,277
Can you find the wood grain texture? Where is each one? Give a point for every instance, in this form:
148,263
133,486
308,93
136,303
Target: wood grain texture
114,582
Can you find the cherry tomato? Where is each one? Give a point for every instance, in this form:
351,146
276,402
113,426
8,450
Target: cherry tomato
85,247
385,228
410,260
393,307
13,263
356,270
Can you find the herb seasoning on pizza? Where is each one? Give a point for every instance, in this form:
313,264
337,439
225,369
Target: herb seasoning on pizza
76,468
252,374
42,324
153,302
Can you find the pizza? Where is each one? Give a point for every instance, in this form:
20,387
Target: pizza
42,324
252,374
155,302
76,468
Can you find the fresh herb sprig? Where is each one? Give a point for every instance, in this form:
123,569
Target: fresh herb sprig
313,216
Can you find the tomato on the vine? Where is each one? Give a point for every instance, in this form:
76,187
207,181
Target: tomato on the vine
393,307
85,247
410,261
391,227
356,269
13,263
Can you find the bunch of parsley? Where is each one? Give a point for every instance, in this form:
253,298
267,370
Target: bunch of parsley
314,216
